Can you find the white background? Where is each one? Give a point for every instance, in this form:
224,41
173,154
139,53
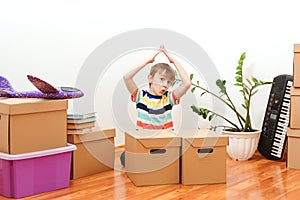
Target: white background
52,39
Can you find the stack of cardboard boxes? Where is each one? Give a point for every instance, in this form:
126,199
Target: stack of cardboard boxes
293,132
95,152
34,155
167,157
95,146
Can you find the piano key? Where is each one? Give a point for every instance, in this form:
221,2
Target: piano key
278,156
274,150
279,139
275,153
287,105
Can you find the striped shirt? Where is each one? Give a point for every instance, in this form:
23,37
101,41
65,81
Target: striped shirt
154,112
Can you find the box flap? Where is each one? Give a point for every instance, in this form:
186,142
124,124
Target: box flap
95,134
14,106
295,91
296,48
156,138
204,138
293,132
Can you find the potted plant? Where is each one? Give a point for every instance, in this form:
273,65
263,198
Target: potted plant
243,138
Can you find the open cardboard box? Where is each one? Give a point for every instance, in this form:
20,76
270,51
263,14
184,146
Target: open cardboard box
203,158
152,157
32,124
95,152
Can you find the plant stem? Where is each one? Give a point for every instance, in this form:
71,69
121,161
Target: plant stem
248,121
229,105
234,108
233,124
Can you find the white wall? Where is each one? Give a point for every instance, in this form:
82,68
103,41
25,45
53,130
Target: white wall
52,39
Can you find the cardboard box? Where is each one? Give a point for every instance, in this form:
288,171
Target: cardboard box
95,152
295,108
152,157
203,158
296,67
293,148
36,172
29,124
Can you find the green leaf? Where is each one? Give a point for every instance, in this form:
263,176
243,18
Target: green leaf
246,86
211,117
238,72
250,83
246,90
246,103
203,112
254,80
244,106
191,76
193,89
243,56
253,93
238,79
221,84
238,84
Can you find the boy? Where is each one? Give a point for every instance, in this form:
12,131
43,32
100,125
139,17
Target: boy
154,106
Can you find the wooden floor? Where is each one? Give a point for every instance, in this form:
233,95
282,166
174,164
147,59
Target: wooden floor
257,178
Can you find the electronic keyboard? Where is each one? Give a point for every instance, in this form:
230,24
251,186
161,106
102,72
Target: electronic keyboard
273,136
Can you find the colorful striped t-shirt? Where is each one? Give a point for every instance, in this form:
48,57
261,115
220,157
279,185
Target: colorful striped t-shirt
154,112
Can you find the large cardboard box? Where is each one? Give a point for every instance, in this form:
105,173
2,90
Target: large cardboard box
296,67
95,152
295,108
152,157
30,124
293,148
203,158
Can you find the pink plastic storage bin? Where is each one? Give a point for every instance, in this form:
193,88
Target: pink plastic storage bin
33,173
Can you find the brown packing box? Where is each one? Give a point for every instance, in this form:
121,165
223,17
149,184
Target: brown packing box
95,152
30,124
293,148
203,158
296,67
152,157
295,108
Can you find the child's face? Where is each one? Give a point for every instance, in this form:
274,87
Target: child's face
160,83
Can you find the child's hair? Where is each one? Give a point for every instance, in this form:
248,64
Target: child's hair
163,68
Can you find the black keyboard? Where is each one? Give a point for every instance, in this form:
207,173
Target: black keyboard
273,136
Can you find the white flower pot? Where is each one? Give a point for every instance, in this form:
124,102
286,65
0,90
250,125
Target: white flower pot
242,145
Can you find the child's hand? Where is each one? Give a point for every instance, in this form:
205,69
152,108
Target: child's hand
171,59
152,59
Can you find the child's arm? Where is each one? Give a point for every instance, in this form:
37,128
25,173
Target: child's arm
128,77
186,82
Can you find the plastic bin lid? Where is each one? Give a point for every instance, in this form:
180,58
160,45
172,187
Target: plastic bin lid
69,147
